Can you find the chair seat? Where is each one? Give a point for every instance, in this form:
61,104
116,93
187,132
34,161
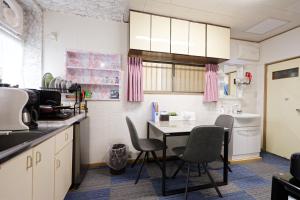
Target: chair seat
151,145
179,151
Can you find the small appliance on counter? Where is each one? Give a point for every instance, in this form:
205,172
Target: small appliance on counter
30,113
13,101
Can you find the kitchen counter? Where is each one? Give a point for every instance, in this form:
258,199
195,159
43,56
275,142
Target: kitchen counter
46,129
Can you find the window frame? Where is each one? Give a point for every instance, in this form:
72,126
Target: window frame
173,81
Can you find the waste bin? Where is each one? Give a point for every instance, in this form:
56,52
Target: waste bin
117,159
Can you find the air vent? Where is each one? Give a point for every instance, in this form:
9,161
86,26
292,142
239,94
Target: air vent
11,16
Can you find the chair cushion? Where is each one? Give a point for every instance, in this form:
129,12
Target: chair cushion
151,144
179,151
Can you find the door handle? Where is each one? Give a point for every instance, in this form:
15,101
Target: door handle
38,157
28,162
298,109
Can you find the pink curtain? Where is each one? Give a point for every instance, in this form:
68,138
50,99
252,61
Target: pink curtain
135,79
211,92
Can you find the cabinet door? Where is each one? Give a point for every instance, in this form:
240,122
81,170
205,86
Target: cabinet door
63,171
59,177
43,170
160,34
16,177
140,31
197,39
218,42
179,36
246,140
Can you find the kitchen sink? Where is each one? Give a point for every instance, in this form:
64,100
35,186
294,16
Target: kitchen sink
18,137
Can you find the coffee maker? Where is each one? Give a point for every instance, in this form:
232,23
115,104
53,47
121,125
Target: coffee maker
30,113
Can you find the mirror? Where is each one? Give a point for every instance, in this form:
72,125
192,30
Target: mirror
228,73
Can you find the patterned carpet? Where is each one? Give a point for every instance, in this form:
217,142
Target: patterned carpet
247,182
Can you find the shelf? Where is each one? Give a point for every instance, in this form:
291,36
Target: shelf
102,99
95,69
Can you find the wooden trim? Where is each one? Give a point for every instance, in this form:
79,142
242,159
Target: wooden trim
247,160
159,15
264,147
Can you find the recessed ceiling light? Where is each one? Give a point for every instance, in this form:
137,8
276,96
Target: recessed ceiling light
266,26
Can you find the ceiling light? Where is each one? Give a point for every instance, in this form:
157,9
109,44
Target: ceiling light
266,26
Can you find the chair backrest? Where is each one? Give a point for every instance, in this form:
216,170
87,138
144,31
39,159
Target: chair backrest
133,134
204,144
225,121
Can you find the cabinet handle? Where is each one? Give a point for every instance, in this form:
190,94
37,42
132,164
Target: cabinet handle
38,157
66,137
57,163
28,162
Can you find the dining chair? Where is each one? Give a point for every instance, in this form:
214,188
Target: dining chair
225,121
203,146
143,146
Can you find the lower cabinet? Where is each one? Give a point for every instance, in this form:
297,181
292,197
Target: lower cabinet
63,171
40,173
16,177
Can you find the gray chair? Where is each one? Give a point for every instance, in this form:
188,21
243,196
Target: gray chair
204,145
226,121
144,146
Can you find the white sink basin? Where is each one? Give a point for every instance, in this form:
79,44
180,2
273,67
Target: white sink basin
245,115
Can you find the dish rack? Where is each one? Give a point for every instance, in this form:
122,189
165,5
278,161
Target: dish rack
78,98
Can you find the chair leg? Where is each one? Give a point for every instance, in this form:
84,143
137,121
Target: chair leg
178,169
156,159
141,167
212,181
199,169
187,182
136,160
228,167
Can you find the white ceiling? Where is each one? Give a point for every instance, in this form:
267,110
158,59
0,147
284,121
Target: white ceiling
240,15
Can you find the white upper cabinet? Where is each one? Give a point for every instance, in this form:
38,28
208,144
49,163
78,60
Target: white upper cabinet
179,36
160,34
218,42
197,39
140,24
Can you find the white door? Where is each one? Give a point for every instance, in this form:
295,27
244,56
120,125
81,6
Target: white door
43,170
160,34
283,102
140,31
179,36
16,178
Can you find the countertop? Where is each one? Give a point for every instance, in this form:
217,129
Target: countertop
48,129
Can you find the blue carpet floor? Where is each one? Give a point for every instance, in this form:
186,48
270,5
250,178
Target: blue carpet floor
247,182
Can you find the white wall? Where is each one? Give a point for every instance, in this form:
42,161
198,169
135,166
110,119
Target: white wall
281,47
107,124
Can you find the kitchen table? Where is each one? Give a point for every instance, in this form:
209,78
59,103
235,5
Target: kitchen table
183,128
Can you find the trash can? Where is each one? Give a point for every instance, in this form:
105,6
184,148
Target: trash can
117,159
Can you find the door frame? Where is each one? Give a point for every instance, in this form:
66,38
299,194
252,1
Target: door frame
264,145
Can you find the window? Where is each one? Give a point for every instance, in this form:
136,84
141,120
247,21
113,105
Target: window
166,78
11,59
287,73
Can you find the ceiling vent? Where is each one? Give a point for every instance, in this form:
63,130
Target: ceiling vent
11,16
266,26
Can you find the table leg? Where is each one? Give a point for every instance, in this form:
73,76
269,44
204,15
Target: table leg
164,166
148,130
225,161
